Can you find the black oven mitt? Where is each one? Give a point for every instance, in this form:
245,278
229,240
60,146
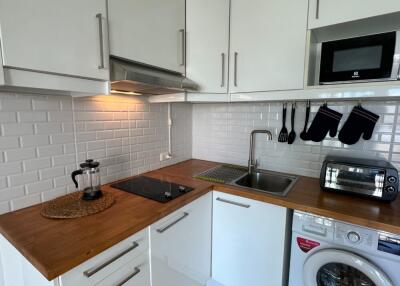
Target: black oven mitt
326,120
360,121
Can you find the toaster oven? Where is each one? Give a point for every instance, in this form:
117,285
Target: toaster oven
371,178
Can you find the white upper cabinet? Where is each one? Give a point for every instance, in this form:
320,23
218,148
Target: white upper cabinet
249,239
328,12
207,27
181,246
150,32
267,47
58,37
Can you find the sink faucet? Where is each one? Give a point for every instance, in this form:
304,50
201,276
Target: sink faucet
253,164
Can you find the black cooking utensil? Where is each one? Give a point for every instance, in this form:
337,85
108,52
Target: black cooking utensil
283,135
303,134
292,134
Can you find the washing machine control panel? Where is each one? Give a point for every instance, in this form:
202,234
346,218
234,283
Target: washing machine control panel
353,236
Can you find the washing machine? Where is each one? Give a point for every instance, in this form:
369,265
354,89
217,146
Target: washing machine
327,252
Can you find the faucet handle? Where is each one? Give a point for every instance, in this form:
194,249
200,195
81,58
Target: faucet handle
256,164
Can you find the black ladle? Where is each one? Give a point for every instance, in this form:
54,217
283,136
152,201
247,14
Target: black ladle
292,134
303,134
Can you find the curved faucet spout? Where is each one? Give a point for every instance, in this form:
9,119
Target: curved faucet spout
253,164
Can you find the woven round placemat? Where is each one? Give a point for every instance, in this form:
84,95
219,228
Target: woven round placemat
72,206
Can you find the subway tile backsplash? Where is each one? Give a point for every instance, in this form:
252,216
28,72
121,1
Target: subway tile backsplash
44,138
221,133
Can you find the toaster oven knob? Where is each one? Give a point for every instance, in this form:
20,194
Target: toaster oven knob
390,189
353,236
392,179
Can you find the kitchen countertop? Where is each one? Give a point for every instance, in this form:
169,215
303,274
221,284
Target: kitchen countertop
56,246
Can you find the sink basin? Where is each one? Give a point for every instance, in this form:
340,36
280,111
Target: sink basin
267,182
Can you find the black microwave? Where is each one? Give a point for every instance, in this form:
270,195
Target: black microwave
368,58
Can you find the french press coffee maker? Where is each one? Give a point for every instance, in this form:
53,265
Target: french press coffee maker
90,185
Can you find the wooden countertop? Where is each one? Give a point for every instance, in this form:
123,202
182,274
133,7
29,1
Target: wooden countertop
56,246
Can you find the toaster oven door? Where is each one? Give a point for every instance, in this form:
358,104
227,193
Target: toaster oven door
355,179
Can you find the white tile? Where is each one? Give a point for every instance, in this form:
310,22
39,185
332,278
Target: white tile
19,154
34,140
48,128
10,168
26,201
50,150
39,187
8,117
16,104
36,164
11,193
46,104
64,160
52,172
10,129
23,178
9,143
32,116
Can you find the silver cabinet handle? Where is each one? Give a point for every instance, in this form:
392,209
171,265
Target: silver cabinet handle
129,277
100,18
183,46
223,69
235,70
161,230
233,203
317,10
91,272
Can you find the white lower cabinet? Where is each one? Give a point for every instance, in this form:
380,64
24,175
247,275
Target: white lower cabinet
249,239
114,264
181,246
239,241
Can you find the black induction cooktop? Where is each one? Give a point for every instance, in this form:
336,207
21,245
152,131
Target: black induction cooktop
160,191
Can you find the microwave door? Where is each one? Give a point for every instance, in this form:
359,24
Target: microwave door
358,59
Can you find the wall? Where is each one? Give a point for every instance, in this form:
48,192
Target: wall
43,138
221,133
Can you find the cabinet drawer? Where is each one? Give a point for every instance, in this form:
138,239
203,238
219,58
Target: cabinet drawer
99,267
134,273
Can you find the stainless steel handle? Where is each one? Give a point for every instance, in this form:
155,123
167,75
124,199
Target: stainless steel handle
100,18
136,272
233,203
223,69
235,70
317,10
91,272
183,46
161,230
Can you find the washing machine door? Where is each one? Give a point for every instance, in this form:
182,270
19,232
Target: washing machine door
331,267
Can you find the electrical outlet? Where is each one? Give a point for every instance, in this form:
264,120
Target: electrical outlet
164,156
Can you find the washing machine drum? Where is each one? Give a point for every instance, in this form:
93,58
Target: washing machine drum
333,267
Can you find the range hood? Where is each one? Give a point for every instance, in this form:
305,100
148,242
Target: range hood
133,78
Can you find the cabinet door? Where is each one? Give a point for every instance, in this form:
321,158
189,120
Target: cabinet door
248,242
207,44
327,12
61,37
268,41
181,246
151,32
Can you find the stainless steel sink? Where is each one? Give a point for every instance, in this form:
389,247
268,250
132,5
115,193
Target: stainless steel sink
267,182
